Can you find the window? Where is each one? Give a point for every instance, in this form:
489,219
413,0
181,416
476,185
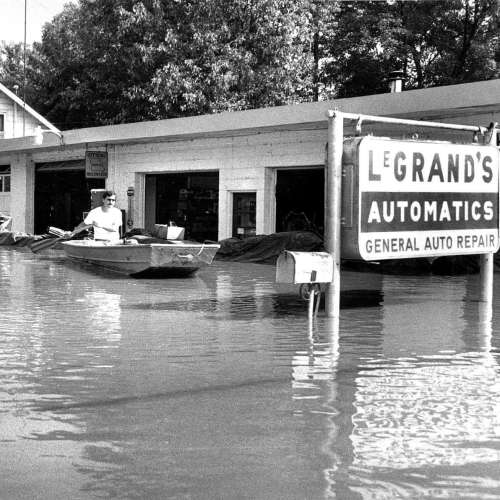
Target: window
4,179
2,125
244,211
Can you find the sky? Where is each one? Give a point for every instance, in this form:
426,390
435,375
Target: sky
38,12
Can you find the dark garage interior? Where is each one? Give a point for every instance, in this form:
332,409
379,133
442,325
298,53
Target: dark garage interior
190,200
62,194
300,200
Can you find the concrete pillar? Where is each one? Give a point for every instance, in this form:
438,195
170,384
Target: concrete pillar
23,193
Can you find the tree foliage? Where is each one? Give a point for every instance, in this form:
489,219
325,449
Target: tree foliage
433,42
104,62
114,62
19,69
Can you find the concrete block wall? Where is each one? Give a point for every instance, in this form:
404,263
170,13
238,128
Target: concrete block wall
22,192
245,163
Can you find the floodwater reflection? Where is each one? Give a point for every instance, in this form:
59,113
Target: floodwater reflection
218,387
421,424
105,315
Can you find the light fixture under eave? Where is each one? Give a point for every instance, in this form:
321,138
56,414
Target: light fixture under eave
38,138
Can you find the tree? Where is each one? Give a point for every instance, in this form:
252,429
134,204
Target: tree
114,62
12,71
434,42
103,62
235,55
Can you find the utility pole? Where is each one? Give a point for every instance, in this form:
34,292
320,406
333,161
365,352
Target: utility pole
24,71
14,121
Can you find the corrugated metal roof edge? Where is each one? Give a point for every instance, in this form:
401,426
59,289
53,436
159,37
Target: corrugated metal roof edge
302,115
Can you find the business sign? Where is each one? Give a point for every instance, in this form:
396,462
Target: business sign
96,164
424,199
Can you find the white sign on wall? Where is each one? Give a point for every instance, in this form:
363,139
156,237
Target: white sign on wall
96,164
423,199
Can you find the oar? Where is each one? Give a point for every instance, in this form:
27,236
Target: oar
50,241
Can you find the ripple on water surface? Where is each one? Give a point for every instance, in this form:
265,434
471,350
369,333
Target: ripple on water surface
216,386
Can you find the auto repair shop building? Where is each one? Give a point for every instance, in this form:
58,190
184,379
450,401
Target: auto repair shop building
230,174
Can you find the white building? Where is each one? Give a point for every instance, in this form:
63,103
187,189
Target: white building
220,175
17,119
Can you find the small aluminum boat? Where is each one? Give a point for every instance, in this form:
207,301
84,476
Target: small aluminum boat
169,258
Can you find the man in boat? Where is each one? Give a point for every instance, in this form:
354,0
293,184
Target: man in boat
106,220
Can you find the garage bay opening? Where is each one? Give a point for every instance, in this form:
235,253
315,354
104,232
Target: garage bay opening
300,200
190,200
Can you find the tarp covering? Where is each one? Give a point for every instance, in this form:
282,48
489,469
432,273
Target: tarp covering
266,248
18,239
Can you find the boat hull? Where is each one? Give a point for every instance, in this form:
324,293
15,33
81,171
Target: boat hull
166,259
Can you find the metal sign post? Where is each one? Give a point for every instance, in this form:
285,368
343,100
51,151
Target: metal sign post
333,187
487,259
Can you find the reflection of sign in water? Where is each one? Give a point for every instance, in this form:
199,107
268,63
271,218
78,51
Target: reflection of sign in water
96,164
429,407
420,199
425,411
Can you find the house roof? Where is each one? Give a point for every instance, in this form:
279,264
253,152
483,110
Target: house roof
425,104
28,109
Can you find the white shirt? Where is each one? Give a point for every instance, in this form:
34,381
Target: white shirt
112,218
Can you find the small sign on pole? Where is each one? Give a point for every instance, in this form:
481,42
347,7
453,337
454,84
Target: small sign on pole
130,196
96,164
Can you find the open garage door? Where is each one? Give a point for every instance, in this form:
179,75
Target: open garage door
62,194
191,200
300,200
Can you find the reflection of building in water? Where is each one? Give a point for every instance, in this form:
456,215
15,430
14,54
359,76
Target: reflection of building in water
105,314
27,298
243,295
420,314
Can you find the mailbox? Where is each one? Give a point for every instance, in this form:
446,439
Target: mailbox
304,267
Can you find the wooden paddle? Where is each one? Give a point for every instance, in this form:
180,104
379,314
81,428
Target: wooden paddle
55,236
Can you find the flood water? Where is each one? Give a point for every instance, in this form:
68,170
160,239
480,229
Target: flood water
217,387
